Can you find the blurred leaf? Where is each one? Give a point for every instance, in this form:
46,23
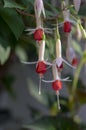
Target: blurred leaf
21,53
3,42
49,13
7,81
82,30
81,95
12,4
77,47
53,123
82,10
34,92
77,72
13,20
53,8
4,54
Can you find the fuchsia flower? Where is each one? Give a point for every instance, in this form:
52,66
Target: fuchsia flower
59,60
39,8
71,56
77,4
41,63
57,85
70,53
57,65
67,22
57,81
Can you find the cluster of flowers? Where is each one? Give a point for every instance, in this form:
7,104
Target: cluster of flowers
57,64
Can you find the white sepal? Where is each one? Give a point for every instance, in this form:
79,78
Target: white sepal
77,4
39,8
28,63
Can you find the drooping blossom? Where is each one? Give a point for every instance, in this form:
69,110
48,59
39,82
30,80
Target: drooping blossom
41,64
67,22
39,8
57,81
59,60
70,52
77,4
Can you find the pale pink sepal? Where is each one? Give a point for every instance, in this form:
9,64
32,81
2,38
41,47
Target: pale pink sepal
59,61
39,8
77,4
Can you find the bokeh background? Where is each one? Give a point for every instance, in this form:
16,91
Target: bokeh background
20,105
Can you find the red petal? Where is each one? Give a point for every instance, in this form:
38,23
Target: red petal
41,67
75,62
57,85
67,27
60,67
38,34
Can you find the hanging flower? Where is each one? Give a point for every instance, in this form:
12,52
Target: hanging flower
77,4
59,60
39,8
41,64
70,52
56,82
57,85
67,23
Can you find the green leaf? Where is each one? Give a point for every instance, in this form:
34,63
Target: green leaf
4,54
77,73
20,52
82,10
83,31
53,123
7,81
77,47
12,4
13,20
3,42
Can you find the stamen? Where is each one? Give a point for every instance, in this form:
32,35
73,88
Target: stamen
40,79
58,103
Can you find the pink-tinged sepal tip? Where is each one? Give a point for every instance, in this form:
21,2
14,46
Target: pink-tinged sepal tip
77,4
59,63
